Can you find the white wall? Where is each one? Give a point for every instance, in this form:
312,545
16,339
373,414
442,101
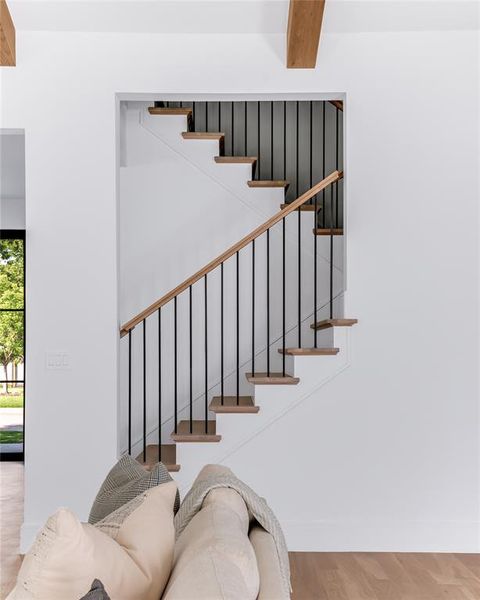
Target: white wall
386,457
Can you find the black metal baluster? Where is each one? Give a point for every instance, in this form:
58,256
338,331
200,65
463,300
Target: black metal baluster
299,237
323,162
130,391
238,326
268,302
159,384
144,391
285,140
222,391
253,307
206,116
194,123
299,277
190,358
296,151
233,129
311,151
283,296
258,140
271,141
219,117
206,354
245,126
175,364
331,251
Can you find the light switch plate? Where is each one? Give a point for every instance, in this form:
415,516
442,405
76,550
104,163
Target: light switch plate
57,361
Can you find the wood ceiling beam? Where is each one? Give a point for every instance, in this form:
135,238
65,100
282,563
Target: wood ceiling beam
7,37
303,33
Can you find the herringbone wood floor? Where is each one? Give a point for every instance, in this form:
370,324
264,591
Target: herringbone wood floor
315,576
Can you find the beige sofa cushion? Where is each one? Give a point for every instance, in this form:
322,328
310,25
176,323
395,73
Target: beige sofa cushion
130,551
213,556
231,500
271,587
219,471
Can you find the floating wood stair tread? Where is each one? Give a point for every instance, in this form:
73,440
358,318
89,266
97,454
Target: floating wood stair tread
154,110
334,323
169,457
272,379
245,405
310,351
202,135
304,207
236,159
198,432
324,231
264,183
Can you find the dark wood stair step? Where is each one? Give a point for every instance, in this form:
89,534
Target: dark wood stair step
334,323
245,405
236,160
169,457
158,110
310,351
324,231
206,135
202,135
272,379
198,432
264,183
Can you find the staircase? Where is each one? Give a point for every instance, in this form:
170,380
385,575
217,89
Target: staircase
208,353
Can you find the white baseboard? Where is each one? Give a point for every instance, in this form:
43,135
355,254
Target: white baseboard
375,535
382,535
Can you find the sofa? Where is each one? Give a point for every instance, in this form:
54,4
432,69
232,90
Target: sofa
133,548
225,551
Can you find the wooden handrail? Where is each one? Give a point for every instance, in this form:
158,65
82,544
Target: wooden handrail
337,104
332,178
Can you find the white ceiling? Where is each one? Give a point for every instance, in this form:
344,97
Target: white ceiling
240,16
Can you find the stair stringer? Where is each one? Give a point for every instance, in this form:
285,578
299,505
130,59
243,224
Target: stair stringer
275,402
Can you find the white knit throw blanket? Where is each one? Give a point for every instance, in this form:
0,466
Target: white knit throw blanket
258,507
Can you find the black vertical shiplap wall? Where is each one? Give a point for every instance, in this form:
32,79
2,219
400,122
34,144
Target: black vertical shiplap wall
256,128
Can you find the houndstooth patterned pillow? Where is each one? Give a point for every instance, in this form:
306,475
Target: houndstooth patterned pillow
97,592
125,481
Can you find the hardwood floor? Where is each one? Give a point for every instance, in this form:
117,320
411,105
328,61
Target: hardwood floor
385,576
11,515
315,575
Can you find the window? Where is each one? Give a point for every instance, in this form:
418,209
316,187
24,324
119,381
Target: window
12,344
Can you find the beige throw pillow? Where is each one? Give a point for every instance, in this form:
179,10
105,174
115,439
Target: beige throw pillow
214,559
130,552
